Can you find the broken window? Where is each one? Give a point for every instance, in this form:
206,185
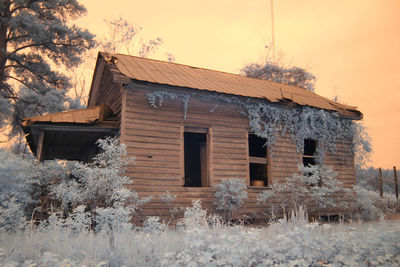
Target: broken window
310,146
195,158
258,160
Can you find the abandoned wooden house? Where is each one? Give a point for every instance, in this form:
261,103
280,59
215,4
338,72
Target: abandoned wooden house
189,127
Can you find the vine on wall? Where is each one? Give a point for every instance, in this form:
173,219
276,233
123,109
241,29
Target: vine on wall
269,121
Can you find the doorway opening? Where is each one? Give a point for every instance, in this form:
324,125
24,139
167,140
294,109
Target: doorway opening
196,174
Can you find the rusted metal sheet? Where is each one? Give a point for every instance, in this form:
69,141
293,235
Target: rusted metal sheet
161,72
88,115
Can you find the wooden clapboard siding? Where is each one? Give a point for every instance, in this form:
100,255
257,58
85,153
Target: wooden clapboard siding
155,137
284,158
108,90
342,162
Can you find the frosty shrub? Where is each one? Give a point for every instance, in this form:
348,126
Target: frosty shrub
153,225
15,176
284,243
12,215
167,198
194,216
22,181
100,186
230,194
370,206
79,221
314,186
297,217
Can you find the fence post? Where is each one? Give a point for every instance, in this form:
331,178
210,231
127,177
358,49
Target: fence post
380,183
396,186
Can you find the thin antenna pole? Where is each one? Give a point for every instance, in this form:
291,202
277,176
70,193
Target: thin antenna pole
273,30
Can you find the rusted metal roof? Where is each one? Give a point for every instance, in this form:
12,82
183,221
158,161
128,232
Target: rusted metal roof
86,116
160,72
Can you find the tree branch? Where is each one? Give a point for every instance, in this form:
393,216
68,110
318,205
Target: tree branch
22,6
24,83
40,44
20,65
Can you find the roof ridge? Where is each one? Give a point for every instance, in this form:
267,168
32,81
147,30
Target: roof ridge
214,70
186,76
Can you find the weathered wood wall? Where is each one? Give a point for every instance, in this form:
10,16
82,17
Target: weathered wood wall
107,89
155,138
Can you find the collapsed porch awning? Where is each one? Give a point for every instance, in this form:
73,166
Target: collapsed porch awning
69,135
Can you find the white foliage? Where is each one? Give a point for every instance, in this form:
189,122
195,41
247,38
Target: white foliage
284,243
115,218
230,194
105,175
194,216
269,120
79,221
370,206
16,175
167,198
11,215
22,181
101,187
272,71
153,225
41,38
68,192
314,187
101,182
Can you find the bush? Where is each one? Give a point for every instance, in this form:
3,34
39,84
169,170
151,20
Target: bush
100,186
193,216
314,187
370,206
22,181
230,194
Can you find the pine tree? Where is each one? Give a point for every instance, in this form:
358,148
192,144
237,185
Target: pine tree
36,38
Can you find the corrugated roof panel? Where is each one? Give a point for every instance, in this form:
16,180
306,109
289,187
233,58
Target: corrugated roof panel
88,115
204,79
165,72
145,69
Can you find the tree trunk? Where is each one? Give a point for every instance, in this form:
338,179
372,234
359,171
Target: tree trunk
6,15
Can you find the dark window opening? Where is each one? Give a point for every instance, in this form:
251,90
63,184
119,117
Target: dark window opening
258,161
195,159
256,146
258,174
310,146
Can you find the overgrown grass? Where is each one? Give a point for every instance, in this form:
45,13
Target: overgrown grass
201,242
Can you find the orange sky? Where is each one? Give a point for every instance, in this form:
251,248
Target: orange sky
352,47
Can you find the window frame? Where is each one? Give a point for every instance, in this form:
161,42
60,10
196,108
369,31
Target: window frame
304,156
208,132
258,160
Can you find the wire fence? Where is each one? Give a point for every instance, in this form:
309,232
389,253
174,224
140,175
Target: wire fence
395,182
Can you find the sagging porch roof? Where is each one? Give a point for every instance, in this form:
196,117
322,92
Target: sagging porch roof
69,135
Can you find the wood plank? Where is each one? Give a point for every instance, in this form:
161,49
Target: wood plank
149,145
223,156
151,139
153,134
241,146
202,118
154,128
40,147
258,160
176,110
